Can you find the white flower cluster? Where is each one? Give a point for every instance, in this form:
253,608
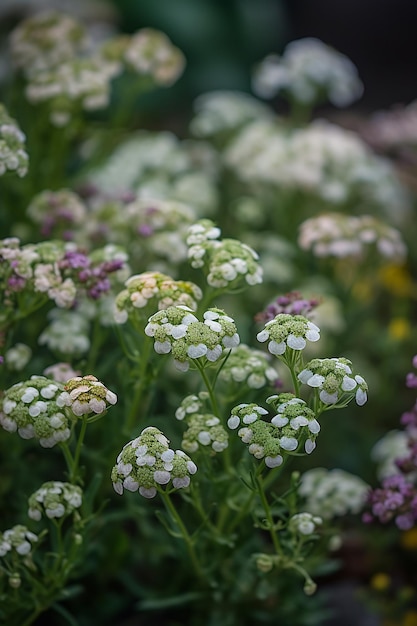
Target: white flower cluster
308,71
250,366
157,290
223,112
159,165
227,263
162,226
177,330
332,493
304,523
54,499
288,331
79,82
13,156
150,52
147,464
36,408
46,40
17,357
204,429
86,395
321,159
340,235
296,420
392,446
67,334
334,382
60,372
63,207
19,539
293,426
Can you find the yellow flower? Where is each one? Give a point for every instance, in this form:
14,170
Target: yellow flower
410,618
409,539
380,581
397,280
399,328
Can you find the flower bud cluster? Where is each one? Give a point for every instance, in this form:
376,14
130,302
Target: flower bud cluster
204,429
309,71
292,426
304,523
13,156
147,464
82,82
332,493
45,40
54,499
227,263
36,408
57,269
18,539
86,395
56,212
150,52
334,381
156,290
288,331
250,366
178,330
343,236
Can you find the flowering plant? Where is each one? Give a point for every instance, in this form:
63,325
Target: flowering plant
174,411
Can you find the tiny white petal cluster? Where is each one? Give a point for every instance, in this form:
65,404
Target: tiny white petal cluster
177,330
54,499
13,156
36,408
203,428
218,112
245,364
350,236
292,427
150,52
154,288
67,334
308,71
17,539
86,395
332,493
45,40
147,463
227,263
288,331
334,381
304,523
18,356
322,160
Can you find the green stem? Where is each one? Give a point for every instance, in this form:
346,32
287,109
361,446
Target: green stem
271,528
185,534
77,453
140,386
209,388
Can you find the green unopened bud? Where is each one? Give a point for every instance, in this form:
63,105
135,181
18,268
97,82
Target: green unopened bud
14,580
310,587
264,562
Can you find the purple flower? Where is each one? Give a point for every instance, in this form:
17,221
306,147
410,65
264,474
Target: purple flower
291,303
